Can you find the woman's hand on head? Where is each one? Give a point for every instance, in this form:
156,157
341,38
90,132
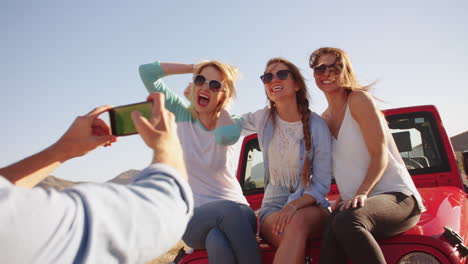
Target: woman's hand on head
187,91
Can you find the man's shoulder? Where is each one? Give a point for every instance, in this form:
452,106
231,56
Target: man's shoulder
4,182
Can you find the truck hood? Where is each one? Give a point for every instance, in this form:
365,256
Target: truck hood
445,206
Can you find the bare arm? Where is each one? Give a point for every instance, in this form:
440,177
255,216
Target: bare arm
29,171
303,201
171,68
369,119
85,134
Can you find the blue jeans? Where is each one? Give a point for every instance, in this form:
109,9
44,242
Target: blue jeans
227,230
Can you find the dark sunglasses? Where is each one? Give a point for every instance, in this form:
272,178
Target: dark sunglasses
281,75
214,85
334,68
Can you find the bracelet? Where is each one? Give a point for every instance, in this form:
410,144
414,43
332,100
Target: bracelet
295,208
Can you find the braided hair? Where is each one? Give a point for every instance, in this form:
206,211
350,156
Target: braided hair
302,98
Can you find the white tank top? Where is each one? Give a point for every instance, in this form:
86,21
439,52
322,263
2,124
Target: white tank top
350,160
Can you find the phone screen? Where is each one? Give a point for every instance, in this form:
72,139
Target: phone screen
121,121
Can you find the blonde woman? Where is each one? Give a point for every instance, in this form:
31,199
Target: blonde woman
296,146
378,199
222,223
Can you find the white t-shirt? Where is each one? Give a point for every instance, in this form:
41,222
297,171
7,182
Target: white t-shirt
211,166
210,156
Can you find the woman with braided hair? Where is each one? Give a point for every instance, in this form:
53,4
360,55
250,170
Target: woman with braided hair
296,146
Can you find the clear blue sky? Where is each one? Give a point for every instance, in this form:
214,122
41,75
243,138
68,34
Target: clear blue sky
60,59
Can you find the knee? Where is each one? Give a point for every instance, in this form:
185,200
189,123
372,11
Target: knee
346,222
193,240
228,209
250,217
231,213
234,216
216,239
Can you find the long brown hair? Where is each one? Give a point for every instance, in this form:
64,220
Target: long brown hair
302,99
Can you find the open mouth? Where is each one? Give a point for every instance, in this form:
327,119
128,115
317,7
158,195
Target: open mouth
203,100
276,89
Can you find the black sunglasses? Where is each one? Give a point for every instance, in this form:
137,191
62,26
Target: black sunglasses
334,68
281,75
214,85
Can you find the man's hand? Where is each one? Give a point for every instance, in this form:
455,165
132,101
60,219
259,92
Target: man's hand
160,134
85,134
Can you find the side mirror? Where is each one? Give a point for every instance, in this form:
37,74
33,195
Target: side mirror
465,162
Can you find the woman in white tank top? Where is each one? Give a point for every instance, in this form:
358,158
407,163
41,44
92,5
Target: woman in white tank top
378,199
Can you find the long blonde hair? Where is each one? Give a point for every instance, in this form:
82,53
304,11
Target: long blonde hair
302,99
230,75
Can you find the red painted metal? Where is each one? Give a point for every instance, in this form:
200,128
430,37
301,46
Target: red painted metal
443,196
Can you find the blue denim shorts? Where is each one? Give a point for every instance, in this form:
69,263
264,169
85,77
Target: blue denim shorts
274,199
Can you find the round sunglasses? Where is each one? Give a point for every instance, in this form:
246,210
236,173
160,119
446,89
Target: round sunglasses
213,85
334,69
281,75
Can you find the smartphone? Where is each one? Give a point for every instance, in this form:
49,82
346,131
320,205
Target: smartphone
120,117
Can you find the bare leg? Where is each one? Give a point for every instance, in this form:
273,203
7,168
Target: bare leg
306,222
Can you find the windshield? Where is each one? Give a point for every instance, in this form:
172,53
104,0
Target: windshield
418,141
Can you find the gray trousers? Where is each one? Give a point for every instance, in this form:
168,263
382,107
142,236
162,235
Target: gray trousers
352,234
227,230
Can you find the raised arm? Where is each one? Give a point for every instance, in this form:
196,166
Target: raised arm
171,68
85,134
152,73
228,128
252,121
371,124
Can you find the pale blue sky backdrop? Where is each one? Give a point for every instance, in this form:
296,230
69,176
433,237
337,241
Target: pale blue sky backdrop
60,59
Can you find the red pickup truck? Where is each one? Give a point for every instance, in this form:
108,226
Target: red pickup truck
429,157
